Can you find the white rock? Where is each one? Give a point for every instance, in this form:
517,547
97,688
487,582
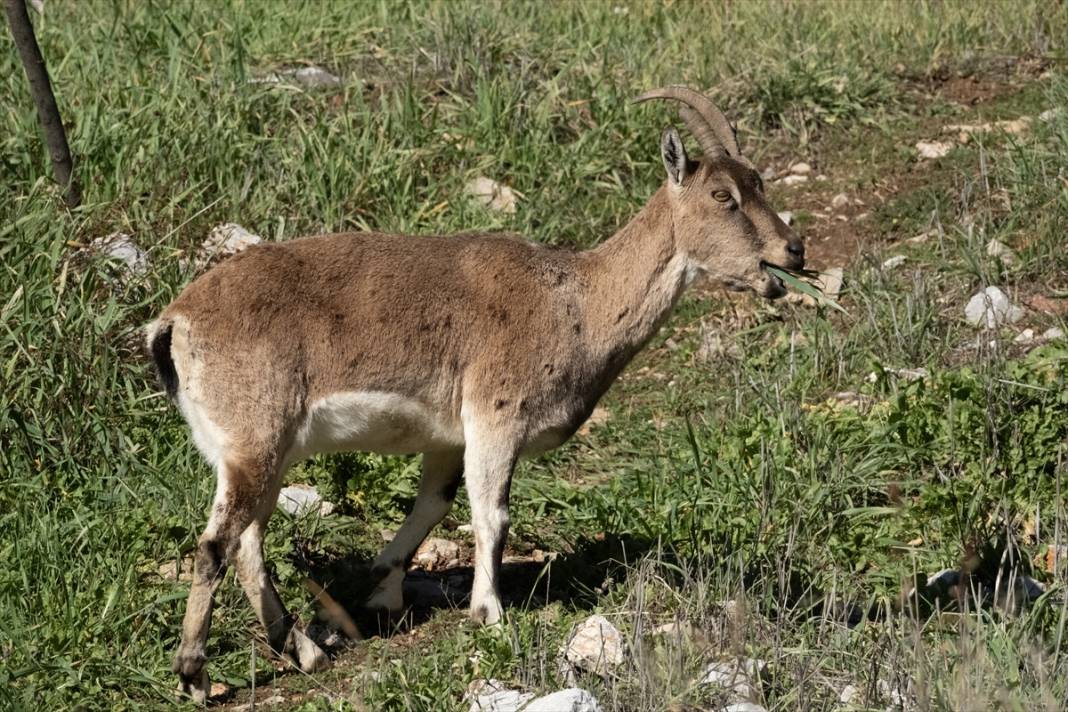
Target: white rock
595,645
223,241
1025,337
849,694
120,247
1054,332
739,677
894,262
571,699
312,77
832,281
893,694
299,499
435,553
787,217
1051,114
965,131
991,308
933,149
839,201
491,194
792,179
744,707
801,169
316,77
998,249
501,701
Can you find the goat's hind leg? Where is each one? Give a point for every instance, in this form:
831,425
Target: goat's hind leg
240,490
283,635
442,472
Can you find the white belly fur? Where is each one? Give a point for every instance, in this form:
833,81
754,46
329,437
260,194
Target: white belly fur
374,421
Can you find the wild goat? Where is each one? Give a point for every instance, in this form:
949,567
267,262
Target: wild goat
473,349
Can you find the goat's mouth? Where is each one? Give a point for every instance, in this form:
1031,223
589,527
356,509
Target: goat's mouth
771,285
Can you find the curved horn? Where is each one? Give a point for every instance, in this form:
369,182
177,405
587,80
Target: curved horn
705,121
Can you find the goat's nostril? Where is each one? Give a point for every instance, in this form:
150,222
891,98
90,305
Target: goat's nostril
797,249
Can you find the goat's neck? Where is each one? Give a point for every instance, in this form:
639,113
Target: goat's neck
635,278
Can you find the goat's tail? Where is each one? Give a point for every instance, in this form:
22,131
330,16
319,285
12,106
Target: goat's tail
158,338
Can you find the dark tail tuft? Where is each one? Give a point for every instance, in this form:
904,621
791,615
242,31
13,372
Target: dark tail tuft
161,354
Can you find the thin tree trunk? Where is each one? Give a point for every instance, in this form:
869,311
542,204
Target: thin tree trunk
41,89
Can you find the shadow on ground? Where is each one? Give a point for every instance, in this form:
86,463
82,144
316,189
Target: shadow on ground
571,578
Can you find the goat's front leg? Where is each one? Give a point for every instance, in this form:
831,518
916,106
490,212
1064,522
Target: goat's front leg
488,465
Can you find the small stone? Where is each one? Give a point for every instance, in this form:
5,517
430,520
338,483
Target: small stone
738,677
225,240
177,570
674,629
120,247
1052,333
998,249
831,281
923,237
218,689
839,201
492,696
595,645
435,554
821,178
598,417
933,149
801,169
316,77
299,499
491,194
465,528
792,179
893,694
1051,114
991,308
571,699
1025,337
894,262
787,217
744,707
849,694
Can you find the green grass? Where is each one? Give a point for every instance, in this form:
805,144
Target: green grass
731,477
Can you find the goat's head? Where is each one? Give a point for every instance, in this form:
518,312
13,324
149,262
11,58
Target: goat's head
722,221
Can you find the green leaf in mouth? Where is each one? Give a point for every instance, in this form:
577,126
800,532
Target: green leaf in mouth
804,287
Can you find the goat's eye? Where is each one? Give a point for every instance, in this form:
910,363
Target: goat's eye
721,196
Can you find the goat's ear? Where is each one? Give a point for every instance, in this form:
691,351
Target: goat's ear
674,155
